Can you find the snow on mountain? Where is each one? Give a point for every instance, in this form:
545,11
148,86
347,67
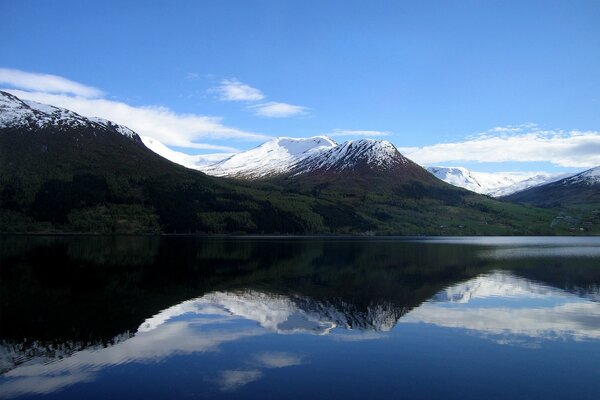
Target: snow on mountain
589,177
493,184
189,161
274,157
495,284
458,176
539,179
283,314
15,112
375,153
505,308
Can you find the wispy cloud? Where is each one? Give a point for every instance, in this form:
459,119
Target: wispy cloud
277,359
525,143
362,133
230,380
274,109
192,76
46,83
158,122
234,90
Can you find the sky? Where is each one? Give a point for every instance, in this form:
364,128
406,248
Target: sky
489,85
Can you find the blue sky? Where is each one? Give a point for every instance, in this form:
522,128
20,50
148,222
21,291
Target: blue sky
416,73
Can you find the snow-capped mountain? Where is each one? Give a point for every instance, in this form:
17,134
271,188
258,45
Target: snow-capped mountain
318,155
494,184
376,154
539,179
458,176
29,115
582,188
588,177
274,157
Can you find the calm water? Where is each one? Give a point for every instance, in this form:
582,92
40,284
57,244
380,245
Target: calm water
181,317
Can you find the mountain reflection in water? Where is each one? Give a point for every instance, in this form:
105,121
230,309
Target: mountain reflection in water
274,295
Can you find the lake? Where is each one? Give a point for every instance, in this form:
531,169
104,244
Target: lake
94,317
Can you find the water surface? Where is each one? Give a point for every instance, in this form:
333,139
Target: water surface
183,317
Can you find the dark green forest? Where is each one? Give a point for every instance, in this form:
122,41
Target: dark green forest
82,180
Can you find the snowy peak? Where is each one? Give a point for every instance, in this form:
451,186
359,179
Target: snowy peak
354,154
494,184
534,181
274,157
25,114
302,147
458,176
318,154
589,177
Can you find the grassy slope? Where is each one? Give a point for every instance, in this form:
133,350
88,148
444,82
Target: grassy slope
576,206
72,180
422,207
99,181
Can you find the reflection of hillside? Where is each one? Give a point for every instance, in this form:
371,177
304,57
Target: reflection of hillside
508,307
101,288
501,306
82,300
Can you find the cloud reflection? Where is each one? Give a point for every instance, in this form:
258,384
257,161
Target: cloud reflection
504,305
231,380
499,306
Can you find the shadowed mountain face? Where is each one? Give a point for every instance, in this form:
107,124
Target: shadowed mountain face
577,190
66,173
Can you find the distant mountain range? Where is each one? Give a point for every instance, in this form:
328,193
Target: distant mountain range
494,184
580,189
297,156
66,172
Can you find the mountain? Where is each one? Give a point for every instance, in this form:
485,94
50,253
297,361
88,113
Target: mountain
363,156
275,157
493,184
536,180
62,172
576,190
458,176
315,156
30,116
65,172
320,154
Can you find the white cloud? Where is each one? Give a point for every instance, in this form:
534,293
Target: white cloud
274,109
231,380
234,90
160,123
574,148
45,83
363,133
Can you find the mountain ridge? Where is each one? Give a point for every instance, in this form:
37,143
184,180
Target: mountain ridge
494,184
581,188
67,173
272,159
